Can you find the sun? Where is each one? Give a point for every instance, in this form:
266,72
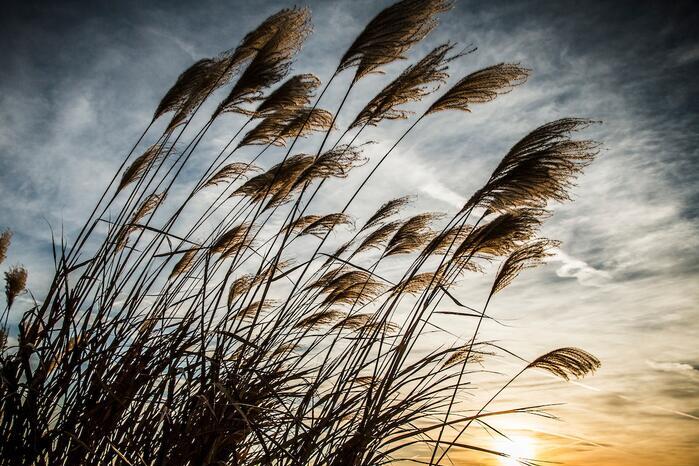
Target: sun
518,448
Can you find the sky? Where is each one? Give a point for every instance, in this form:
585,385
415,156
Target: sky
80,81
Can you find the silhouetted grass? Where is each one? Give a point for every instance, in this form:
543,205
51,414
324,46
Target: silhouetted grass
227,344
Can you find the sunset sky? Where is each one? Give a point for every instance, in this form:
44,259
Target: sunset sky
79,82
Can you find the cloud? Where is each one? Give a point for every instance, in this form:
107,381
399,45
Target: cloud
576,268
668,366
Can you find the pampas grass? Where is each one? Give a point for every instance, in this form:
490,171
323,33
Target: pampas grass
221,337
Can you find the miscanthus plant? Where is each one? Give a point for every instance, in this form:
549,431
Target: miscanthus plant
173,338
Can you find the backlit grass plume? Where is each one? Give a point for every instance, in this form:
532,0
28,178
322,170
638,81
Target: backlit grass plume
480,87
15,283
5,238
566,363
392,33
412,85
247,305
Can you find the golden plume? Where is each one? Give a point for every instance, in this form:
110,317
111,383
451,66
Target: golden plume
412,85
480,87
249,311
383,327
239,287
416,283
5,239
353,322
143,163
461,353
567,362
271,63
300,223
350,287
527,256
15,283
230,172
412,234
501,235
388,209
317,225
360,293
184,264
296,92
324,224
334,163
232,241
320,318
377,238
204,76
390,34
276,128
277,181
538,169
147,206
256,39
441,243
190,88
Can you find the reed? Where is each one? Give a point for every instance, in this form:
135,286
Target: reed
222,337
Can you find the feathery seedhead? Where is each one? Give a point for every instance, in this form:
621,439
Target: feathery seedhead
256,39
445,240
377,238
357,293
295,93
387,210
276,128
300,223
5,239
413,234
143,163
334,163
326,223
480,87
188,86
278,183
390,34
320,318
204,76
208,75
540,168
349,287
271,63
232,241
415,284
254,308
353,322
528,256
461,353
147,206
230,173
184,264
567,362
412,85
15,283
501,235
239,287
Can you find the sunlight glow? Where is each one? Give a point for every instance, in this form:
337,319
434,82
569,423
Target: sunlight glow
519,448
